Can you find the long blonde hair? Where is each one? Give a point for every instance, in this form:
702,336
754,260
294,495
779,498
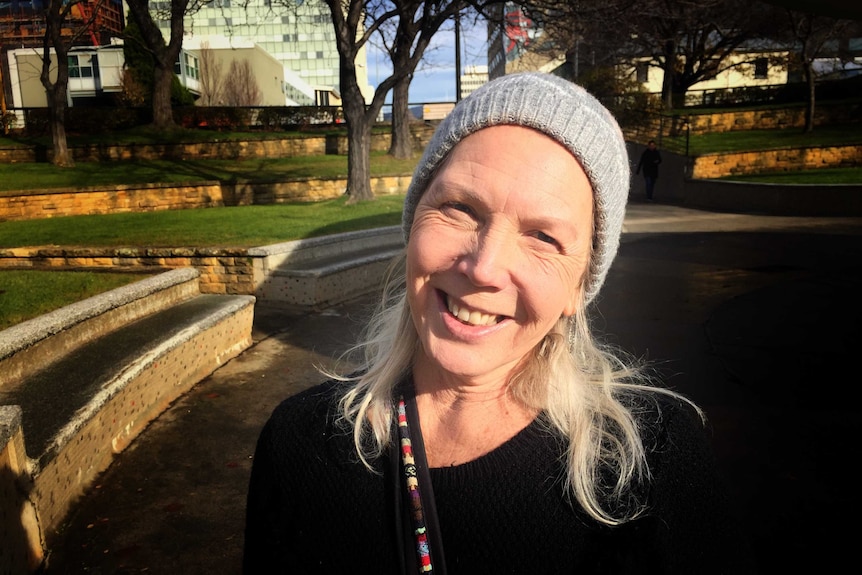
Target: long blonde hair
583,391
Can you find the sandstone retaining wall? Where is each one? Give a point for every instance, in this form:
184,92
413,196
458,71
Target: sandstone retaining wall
214,148
773,119
222,270
783,160
34,204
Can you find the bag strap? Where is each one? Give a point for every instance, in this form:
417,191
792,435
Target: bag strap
418,515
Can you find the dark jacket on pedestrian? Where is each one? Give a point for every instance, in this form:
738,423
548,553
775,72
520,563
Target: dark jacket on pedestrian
650,159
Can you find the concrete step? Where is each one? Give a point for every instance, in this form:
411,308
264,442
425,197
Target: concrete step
78,385
63,395
319,272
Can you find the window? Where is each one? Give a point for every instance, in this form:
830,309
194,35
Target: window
761,68
642,72
80,66
191,66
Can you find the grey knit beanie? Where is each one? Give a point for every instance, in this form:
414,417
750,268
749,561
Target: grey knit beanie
566,113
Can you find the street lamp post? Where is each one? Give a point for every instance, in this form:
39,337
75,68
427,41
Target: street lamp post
458,56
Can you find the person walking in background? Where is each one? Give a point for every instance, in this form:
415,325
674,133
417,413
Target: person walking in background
650,159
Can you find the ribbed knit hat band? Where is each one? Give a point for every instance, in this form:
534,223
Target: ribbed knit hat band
566,113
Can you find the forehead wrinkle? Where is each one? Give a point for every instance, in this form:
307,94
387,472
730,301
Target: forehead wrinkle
465,185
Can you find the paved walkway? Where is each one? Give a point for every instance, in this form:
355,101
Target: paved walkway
756,318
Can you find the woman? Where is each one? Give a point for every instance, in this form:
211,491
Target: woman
486,431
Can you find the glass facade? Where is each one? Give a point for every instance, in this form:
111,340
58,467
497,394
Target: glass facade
301,37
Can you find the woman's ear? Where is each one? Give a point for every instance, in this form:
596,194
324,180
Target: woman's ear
575,302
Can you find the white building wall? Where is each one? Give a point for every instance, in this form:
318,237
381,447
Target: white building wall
472,78
736,77
301,37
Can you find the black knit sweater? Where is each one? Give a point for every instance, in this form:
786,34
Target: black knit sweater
314,508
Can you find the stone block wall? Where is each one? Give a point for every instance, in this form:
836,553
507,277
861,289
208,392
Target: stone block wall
26,205
217,149
56,334
223,271
152,197
773,119
783,160
660,126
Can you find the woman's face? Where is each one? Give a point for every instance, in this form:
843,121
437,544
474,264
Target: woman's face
497,253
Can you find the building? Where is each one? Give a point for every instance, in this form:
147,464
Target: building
22,24
513,42
301,37
95,75
744,68
472,78
94,72
754,65
276,84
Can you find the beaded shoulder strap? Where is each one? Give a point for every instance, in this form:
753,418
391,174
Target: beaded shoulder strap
419,494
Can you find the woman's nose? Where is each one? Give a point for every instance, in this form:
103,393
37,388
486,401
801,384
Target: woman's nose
489,259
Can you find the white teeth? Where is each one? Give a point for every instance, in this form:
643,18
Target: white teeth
470,317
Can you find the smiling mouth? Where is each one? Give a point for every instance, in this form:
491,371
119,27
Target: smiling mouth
471,317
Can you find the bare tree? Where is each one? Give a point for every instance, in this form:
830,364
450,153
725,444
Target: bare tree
211,79
406,41
164,54
354,23
57,39
814,36
241,88
689,41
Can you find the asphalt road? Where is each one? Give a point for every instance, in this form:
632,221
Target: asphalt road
756,318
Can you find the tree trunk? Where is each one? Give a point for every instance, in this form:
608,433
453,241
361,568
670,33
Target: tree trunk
809,104
359,159
358,135
57,115
165,55
401,146
359,141
669,73
163,116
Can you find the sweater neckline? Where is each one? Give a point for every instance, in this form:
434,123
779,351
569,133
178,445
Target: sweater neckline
524,441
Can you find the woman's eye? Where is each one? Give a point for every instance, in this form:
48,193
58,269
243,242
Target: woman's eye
543,237
459,207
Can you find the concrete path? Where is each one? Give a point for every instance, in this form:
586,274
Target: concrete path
756,318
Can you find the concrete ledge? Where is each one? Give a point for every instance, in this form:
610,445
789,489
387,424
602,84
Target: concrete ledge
318,272
92,377
129,398
55,334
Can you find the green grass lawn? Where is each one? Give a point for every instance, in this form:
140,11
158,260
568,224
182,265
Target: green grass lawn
25,294
819,176
769,139
33,176
240,226
150,135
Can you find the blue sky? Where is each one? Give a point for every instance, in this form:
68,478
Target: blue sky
434,80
